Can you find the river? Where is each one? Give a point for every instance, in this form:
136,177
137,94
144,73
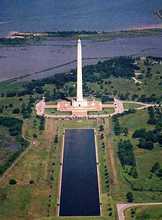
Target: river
59,55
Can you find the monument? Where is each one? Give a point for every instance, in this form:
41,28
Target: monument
77,106
79,102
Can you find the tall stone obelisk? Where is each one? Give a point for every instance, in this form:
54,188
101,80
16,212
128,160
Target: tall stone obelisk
79,74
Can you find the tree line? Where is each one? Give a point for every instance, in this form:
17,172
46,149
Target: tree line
148,138
14,127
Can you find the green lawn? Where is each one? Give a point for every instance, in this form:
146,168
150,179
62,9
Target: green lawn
8,104
131,105
55,112
135,121
31,200
126,88
148,186
145,213
78,124
10,87
104,111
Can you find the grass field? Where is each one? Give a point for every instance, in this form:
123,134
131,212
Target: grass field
148,186
128,105
9,104
35,178
127,89
144,213
13,87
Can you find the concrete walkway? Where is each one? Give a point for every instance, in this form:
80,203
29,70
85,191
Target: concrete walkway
136,80
121,208
118,109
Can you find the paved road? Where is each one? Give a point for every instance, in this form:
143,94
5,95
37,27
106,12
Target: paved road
122,207
110,153
118,105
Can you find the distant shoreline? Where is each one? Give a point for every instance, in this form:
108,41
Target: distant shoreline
19,38
140,29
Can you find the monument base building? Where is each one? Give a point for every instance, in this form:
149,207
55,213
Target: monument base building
77,104
79,111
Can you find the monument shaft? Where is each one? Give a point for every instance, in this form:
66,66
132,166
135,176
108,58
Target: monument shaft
79,73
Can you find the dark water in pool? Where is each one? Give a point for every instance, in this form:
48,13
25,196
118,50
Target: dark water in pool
79,192
53,15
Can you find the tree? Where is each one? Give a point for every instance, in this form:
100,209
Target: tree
10,105
152,119
12,182
13,124
140,133
71,91
117,129
101,128
159,174
148,72
31,182
155,167
35,135
133,172
102,136
145,144
160,139
42,123
125,131
3,195
125,153
150,136
129,197
25,111
56,139
16,111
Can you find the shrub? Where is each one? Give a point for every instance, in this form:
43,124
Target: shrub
35,135
31,182
155,167
145,144
56,139
129,197
12,182
159,174
16,111
140,133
